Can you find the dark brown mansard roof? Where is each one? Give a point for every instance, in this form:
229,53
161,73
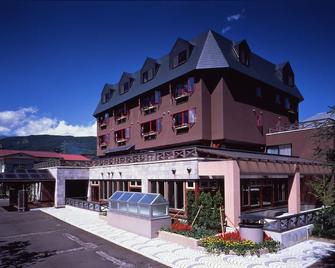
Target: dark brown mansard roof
210,50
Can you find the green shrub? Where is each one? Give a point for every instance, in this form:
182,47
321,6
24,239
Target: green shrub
324,223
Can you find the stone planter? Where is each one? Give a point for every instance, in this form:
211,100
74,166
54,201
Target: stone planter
179,239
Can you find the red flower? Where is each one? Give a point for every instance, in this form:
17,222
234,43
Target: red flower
178,226
235,236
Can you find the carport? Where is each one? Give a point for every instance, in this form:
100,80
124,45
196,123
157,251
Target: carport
40,185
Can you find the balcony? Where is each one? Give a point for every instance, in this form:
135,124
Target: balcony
121,118
103,145
181,95
121,141
151,135
182,128
149,109
103,124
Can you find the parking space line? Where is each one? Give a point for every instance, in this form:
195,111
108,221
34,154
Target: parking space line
30,234
114,260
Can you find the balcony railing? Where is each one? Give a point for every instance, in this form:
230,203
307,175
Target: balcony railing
302,125
121,118
286,223
182,126
126,159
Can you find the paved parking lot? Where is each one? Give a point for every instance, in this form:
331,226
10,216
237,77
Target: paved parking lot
35,239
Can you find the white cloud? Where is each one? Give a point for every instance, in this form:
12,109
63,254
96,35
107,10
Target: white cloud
237,16
226,29
25,121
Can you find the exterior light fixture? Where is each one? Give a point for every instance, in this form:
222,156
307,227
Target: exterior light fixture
173,171
189,170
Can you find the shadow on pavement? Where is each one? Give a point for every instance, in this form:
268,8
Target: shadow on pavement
15,254
326,261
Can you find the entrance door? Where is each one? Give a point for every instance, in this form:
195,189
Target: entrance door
266,196
95,193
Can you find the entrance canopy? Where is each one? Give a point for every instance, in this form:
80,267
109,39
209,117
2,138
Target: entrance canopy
26,175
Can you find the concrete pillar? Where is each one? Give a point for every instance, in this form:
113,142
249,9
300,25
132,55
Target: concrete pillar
89,191
294,192
145,186
60,192
166,190
232,193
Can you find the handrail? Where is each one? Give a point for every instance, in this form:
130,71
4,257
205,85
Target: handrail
125,159
89,205
285,223
302,125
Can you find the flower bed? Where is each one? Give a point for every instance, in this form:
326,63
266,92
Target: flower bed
189,231
231,243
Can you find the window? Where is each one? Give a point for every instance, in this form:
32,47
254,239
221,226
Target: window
148,75
149,130
103,141
258,92
122,136
277,99
288,78
125,87
184,120
182,91
190,185
283,149
121,114
149,103
180,58
244,57
135,186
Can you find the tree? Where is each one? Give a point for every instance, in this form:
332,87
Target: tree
323,188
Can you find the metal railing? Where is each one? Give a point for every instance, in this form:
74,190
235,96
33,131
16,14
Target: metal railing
303,125
286,223
89,205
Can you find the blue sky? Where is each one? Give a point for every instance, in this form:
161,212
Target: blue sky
56,56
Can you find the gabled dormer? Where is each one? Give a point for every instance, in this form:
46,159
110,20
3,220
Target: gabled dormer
149,70
285,73
242,52
180,53
125,82
107,93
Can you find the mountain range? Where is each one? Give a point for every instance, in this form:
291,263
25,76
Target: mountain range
51,143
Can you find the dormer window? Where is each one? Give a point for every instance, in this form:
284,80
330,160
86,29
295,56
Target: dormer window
180,53
244,57
125,87
180,58
147,75
125,83
149,70
258,92
243,52
106,94
278,99
288,79
285,73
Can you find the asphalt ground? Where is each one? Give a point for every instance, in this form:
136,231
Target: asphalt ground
35,239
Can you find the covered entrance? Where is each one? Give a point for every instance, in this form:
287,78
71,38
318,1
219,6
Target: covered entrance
39,185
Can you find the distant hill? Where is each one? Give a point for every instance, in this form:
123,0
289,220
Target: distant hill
52,143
